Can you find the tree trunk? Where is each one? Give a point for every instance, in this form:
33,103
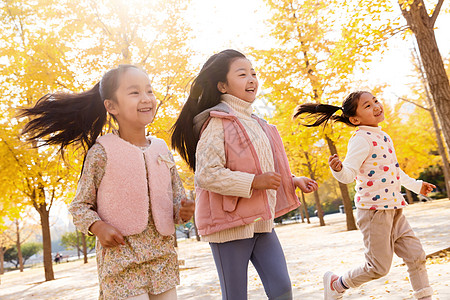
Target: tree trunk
78,243
175,242
437,127
83,242
2,260
319,208
348,207
19,248
316,193
409,197
442,152
422,25
46,241
197,237
302,215
305,207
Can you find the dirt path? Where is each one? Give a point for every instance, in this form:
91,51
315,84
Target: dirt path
310,251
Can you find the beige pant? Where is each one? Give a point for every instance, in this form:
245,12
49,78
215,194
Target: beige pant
386,232
169,295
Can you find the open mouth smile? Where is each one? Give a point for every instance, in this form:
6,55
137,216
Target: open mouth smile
146,109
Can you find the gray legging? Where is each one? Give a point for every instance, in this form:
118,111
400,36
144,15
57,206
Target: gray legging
265,253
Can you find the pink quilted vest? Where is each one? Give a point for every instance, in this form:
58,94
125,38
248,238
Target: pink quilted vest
215,212
123,194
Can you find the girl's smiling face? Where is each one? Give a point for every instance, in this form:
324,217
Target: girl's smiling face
369,111
135,103
241,80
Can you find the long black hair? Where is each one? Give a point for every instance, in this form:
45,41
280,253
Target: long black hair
72,118
203,95
322,113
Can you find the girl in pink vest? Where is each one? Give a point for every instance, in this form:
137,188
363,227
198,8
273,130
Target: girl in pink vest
242,175
371,161
129,195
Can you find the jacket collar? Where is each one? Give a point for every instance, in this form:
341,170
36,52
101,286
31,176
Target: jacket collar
202,117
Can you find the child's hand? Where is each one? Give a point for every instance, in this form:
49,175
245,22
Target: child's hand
186,210
108,235
426,188
306,184
265,181
335,163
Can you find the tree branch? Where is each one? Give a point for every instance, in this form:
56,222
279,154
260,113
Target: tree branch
412,102
99,19
144,60
23,240
436,11
9,238
19,163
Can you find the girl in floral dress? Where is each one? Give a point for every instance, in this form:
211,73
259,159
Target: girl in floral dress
130,194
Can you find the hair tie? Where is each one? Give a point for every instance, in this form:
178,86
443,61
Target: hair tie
317,107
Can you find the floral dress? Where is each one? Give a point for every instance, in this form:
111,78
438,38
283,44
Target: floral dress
147,263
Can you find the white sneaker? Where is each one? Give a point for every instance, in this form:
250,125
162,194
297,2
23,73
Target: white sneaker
328,293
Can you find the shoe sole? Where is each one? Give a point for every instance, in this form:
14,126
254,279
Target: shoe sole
326,283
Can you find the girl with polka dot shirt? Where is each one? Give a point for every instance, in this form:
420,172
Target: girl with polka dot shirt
372,162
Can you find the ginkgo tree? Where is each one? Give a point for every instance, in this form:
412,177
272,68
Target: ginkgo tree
35,45
19,230
402,121
152,36
421,22
420,96
50,46
5,243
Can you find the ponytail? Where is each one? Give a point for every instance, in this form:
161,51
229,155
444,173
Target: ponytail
183,138
202,95
72,118
64,119
322,113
